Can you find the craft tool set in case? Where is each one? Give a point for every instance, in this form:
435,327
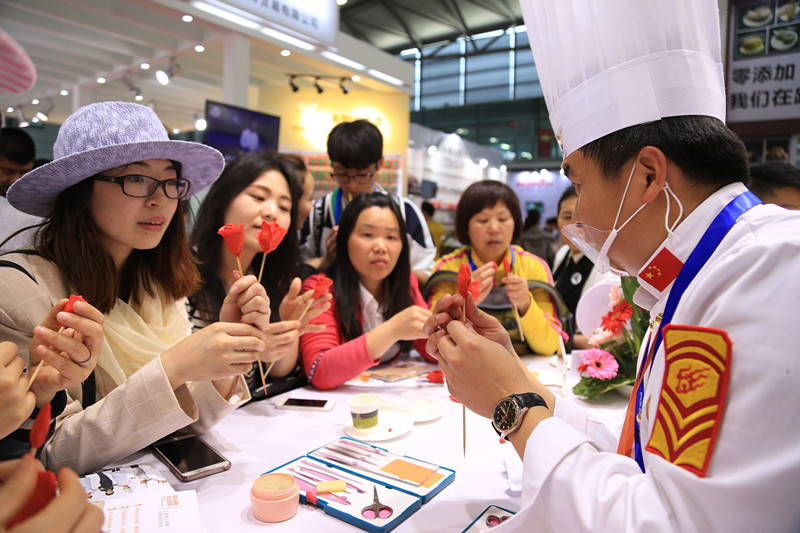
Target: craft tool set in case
381,489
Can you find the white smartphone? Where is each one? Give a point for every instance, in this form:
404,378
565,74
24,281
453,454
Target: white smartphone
305,404
189,457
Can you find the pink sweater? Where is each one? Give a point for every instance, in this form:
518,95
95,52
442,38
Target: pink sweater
328,358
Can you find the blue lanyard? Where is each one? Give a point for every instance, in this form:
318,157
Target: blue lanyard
472,263
698,258
337,203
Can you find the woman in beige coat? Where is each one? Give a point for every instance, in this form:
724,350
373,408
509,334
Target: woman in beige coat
114,233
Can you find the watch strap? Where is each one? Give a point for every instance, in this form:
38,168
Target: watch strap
524,401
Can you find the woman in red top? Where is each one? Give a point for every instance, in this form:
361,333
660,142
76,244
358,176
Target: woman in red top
378,309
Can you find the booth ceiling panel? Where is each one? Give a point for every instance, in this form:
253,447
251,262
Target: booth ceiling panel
72,42
395,25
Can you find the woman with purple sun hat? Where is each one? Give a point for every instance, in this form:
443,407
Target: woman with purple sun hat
114,233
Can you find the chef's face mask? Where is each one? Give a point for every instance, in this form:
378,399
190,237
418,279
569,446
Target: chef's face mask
595,243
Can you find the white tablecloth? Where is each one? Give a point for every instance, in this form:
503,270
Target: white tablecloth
258,437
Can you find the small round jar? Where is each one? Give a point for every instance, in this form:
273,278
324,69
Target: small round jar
364,411
275,497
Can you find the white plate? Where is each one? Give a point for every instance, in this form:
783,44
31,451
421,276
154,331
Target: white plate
777,44
783,11
592,306
391,424
419,409
752,51
759,21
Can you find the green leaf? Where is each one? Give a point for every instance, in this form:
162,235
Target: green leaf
592,388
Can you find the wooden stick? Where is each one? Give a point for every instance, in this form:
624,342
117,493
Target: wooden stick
35,373
563,351
263,377
264,374
519,323
239,262
308,306
261,271
464,407
38,367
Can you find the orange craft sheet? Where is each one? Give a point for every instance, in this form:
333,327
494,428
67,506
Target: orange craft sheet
425,477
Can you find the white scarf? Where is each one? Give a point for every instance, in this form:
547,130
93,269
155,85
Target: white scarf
133,337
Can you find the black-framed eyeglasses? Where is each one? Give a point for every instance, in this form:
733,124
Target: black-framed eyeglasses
139,186
363,177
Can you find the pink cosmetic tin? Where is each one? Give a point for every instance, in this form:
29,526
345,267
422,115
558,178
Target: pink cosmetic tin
274,497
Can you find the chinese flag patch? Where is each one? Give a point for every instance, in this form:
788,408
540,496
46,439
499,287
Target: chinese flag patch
662,270
692,398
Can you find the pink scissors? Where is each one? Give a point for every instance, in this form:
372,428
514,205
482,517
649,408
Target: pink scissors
376,509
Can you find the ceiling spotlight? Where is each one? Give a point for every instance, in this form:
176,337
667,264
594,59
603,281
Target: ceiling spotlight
286,53
293,85
317,86
10,109
35,101
46,110
22,122
64,92
144,65
199,48
101,80
200,123
187,18
344,89
355,77
176,131
163,76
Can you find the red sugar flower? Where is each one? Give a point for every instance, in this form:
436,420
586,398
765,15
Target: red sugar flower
68,308
475,289
597,363
41,427
322,287
615,320
270,236
234,238
464,279
506,265
72,299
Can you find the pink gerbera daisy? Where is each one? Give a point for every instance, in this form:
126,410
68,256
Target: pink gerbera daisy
598,364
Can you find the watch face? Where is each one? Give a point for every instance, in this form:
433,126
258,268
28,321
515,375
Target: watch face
505,415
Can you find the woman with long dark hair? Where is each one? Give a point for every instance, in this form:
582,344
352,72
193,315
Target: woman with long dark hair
378,310
255,188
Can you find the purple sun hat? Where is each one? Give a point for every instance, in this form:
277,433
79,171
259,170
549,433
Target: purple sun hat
102,136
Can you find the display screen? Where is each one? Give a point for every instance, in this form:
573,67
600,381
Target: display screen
189,453
300,402
235,130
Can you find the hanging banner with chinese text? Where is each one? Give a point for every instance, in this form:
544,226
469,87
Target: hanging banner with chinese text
764,61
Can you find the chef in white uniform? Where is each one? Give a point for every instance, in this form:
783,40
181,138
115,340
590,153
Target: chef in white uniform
711,440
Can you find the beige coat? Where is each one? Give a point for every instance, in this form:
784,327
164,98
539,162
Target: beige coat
127,416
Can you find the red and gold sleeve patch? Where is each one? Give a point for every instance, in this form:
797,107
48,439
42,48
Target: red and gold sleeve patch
698,362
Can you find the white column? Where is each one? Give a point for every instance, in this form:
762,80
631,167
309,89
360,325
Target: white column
81,96
236,69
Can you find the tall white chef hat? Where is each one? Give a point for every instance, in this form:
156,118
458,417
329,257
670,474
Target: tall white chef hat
605,66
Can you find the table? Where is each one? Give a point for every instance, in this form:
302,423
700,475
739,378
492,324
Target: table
258,437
